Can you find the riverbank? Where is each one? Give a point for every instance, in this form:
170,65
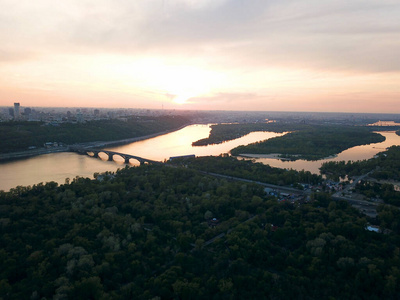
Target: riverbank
137,139
21,136
99,144
271,156
31,153
277,156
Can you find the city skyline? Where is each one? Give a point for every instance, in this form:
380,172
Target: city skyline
332,56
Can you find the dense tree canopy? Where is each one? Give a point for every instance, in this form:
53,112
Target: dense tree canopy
225,132
149,233
248,169
386,165
313,143
17,136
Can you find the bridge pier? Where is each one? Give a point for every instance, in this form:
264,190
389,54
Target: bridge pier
110,157
127,160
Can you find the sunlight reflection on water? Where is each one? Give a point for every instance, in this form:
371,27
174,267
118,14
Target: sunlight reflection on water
59,166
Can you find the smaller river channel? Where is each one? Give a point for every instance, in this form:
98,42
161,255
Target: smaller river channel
353,154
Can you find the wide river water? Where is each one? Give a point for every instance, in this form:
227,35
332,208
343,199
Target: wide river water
59,166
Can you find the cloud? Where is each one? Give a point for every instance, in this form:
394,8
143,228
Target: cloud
363,35
255,44
8,56
233,101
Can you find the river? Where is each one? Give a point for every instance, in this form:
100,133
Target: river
59,166
353,154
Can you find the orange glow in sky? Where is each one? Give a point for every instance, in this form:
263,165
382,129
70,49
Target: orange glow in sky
226,55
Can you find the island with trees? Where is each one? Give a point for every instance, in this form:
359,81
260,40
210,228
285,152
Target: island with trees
302,141
314,143
225,132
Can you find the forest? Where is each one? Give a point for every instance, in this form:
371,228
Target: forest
386,165
384,191
225,132
172,232
383,170
248,169
18,136
313,143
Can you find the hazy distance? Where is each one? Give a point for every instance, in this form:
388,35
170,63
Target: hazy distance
333,56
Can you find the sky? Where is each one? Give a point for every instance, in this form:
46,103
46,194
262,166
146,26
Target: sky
270,55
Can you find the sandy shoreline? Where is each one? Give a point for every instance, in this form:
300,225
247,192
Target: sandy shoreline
277,156
271,155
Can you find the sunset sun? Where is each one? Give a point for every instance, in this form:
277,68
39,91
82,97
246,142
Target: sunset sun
181,99
183,82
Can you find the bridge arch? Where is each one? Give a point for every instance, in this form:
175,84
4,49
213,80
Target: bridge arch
111,155
93,153
132,161
103,155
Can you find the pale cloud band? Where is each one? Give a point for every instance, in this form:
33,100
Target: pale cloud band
220,54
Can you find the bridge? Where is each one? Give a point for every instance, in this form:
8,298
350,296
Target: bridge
126,157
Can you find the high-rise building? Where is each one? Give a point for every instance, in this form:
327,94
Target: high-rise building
16,111
79,117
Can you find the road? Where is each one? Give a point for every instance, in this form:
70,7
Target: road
352,185
367,207
267,185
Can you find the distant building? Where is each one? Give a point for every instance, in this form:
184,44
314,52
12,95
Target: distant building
79,117
27,111
16,111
